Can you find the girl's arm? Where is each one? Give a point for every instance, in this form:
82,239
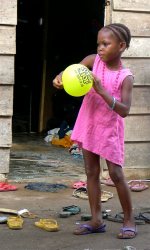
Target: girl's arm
87,61
123,107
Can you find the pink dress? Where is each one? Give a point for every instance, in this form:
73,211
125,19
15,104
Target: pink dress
98,128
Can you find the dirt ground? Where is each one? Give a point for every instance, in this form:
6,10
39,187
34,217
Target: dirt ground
33,160
46,204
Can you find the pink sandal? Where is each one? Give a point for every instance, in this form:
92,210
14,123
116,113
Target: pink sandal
137,186
79,184
108,182
7,187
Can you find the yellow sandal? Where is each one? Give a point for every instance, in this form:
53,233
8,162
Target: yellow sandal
15,222
48,225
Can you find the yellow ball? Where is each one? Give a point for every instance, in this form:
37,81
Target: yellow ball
77,80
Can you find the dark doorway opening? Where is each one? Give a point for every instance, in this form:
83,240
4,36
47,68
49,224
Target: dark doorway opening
28,66
59,34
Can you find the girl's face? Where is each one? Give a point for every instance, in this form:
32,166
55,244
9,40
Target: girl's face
109,47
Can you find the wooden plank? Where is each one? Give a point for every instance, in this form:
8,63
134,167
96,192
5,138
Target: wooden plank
107,13
137,155
8,12
5,158
6,69
7,40
138,26
140,47
5,132
136,5
6,100
140,100
140,69
137,128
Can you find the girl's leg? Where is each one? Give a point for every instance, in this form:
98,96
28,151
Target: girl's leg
92,169
117,176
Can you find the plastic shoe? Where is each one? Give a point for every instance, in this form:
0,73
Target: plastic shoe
87,229
72,209
48,225
105,196
7,187
15,222
81,193
137,186
108,182
79,184
127,233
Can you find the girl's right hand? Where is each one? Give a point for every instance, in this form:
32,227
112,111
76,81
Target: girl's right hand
57,82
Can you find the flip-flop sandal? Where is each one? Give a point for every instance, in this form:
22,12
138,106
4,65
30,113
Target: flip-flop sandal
15,222
137,186
105,196
72,209
87,217
127,233
120,216
114,218
7,187
145,216
81,193
79,184
49,225
87,229
108,182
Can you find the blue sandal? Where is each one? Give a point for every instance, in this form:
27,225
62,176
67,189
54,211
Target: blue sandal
72,209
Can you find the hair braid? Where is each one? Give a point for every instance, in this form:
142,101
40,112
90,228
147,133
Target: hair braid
121,31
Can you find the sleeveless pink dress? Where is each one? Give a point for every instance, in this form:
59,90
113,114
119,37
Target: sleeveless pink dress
98,128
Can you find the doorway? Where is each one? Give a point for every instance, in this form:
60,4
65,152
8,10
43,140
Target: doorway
49,37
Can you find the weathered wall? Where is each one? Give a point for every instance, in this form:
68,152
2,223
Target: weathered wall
8,21
136,15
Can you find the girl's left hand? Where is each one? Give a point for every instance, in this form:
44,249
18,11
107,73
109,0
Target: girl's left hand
97,84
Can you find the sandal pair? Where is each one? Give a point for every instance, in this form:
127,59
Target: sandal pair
119,217
144,216
83,194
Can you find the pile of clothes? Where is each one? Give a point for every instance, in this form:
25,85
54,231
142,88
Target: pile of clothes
62,137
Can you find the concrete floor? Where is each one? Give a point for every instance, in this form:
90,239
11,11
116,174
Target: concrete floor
34,159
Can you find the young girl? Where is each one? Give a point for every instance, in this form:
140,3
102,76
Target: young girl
99,127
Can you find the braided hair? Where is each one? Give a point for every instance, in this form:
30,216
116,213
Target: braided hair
121,31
